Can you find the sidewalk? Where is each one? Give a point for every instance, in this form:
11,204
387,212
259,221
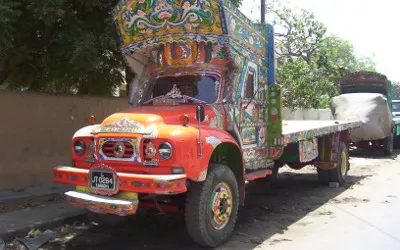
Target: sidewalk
45,191
34,207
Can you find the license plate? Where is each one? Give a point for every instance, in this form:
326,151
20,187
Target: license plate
103,180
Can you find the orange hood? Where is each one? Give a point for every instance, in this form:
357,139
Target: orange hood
141,119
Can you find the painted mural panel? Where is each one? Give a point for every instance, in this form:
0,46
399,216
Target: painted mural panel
242,31
139,20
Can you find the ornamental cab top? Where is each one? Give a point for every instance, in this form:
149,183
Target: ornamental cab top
144,23
168,38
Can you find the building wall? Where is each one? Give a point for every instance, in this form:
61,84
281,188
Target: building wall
307,114
36,131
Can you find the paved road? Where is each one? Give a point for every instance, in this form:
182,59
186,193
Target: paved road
297,214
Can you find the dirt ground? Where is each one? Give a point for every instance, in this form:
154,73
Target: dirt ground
296,213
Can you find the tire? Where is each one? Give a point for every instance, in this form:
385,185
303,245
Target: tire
396,142
388,145
339,174
201,222
323,176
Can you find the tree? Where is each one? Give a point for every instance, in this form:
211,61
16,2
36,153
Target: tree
60,46
310,63
312,83
237,3
298,35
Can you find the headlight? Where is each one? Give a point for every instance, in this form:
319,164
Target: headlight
79,147
165,150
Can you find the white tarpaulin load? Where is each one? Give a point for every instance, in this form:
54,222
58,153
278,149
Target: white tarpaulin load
372,109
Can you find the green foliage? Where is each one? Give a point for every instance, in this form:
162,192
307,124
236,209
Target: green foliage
300,33
8,15
310,63
60,46
237,3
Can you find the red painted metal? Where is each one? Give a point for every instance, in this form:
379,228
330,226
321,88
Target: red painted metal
257,174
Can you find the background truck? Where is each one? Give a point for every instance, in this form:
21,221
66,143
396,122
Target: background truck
396,108
205,119
396,112
367,96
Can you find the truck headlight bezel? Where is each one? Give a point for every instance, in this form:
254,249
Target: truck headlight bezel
165,150
79,147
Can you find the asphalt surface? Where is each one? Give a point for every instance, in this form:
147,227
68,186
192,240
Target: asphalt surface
297,213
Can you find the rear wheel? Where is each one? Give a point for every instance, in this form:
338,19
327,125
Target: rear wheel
339,173
212,207
388,145
396,142
323,176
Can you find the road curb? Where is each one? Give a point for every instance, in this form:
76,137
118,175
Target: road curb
19,223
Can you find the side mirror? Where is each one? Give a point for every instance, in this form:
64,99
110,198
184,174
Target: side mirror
200,113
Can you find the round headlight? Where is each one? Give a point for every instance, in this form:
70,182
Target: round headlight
165,150
79,147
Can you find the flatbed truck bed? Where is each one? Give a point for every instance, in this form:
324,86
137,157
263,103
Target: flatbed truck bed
298,130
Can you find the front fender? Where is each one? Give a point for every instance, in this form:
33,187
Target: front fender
211,140
85,131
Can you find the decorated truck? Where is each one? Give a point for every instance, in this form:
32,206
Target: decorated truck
205,118
367,96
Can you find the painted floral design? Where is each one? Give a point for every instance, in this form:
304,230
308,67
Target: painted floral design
147,16
242,32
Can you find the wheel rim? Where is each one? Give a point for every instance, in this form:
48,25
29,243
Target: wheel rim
343,163
221,206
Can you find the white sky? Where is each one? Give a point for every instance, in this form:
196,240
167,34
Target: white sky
373,27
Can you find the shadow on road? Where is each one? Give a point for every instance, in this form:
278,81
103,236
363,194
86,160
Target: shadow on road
268,211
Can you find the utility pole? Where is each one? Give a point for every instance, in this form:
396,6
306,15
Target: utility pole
263,11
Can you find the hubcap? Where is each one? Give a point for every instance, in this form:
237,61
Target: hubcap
343,164
221,206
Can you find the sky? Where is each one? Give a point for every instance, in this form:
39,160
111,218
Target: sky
373,27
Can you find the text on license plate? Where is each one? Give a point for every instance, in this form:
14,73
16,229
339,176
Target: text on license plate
103,180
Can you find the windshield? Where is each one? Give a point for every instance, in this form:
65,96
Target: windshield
202,89
396,106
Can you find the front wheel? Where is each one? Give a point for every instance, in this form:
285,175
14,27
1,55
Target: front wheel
212,207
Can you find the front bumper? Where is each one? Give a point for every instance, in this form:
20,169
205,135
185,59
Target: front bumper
138,183
102,204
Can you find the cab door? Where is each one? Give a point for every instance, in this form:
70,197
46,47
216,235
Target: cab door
252,119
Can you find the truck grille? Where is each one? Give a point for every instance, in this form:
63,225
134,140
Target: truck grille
121,149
